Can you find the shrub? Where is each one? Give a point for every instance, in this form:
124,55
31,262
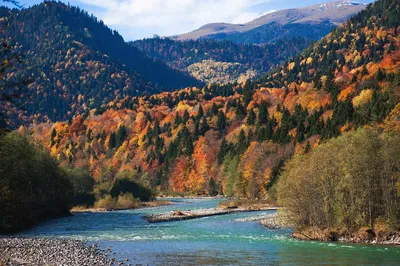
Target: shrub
107,203
127,201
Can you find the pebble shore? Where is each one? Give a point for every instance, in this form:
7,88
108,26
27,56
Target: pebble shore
195,214
49,251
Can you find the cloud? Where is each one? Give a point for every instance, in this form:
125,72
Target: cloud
143,18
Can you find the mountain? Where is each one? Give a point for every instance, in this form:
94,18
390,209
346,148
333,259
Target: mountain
251,49
235,139
320,19
221,61
77,63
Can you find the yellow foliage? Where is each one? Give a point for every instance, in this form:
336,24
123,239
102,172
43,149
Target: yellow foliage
278,117
291,65
364,97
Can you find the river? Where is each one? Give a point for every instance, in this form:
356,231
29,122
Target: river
206,241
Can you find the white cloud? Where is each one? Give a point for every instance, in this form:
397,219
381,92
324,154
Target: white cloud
143,18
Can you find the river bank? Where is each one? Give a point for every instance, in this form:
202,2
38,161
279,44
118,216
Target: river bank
362,236
150,204
49,251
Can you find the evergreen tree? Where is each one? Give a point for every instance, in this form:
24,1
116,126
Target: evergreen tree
263,113
223,151
53,135
185,117
121,136
204,126
200,114
251,117
242,143
113,141
221,122
212,188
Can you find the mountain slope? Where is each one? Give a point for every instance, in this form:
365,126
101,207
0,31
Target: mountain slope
77,63
221,61
234,139
319,17
274,32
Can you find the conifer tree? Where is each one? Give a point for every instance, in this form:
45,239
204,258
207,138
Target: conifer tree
251,117
221,122
223,151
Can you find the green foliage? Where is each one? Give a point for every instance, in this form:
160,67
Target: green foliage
82,184
263,114
348,182
239,57
221,122
223,151
32,185
69,53
128,186
288,35
251,117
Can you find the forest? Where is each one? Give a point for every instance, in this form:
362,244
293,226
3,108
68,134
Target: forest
350,183
235,139
274,32
75,63
245,139
32,185
224,62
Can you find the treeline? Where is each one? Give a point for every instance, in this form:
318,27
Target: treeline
35,187
348,183
276,33
32,185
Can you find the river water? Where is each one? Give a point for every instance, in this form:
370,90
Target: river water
206,241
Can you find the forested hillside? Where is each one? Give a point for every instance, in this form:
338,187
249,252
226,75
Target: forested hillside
221,61
274,32
234,139
75,63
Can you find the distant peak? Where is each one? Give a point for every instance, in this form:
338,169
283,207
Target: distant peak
338,4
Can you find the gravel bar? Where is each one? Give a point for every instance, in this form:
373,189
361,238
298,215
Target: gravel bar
50,251
195,214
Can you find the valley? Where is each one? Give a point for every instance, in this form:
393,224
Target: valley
293,117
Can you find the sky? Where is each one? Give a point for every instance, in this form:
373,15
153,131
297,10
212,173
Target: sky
138,19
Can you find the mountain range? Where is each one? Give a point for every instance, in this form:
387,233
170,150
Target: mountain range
223,53
329,14
76,63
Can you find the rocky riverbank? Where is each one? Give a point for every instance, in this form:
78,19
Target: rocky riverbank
46,251
362,236
194,214
269,220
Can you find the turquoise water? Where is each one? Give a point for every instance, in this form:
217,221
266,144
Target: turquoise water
206,241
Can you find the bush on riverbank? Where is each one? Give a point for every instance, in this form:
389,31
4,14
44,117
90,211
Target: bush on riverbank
32,185
247,204
351,182
122,202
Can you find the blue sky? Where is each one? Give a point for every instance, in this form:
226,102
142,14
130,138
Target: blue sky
136,19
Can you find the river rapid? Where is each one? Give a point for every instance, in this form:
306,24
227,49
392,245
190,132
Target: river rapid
207,241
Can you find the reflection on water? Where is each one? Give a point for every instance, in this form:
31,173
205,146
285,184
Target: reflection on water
206,241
